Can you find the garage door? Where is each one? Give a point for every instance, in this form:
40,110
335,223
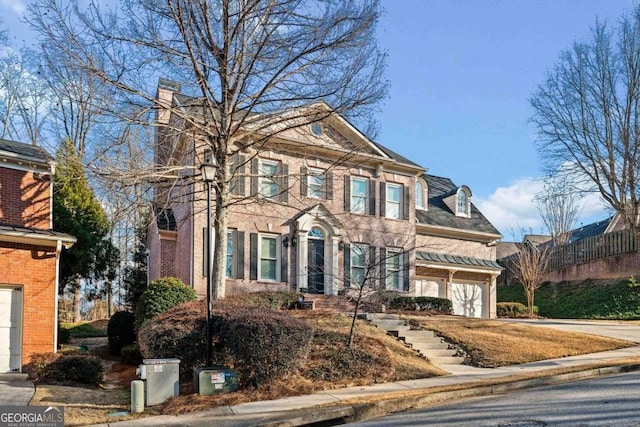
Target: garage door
10,331
467,299
427,288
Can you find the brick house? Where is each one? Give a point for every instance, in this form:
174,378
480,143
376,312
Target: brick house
29,255
320,207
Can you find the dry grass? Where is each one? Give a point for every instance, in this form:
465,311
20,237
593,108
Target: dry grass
377,358
491,343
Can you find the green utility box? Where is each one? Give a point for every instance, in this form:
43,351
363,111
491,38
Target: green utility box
214,380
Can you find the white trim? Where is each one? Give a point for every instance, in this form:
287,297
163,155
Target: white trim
31,238
272,179
367,196
437,230
399,254
278,258
425,194
399,203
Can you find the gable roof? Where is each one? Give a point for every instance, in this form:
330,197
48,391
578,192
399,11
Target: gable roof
24,150
438,214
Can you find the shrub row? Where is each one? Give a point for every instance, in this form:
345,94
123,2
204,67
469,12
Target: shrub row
514,309
440,305
273,300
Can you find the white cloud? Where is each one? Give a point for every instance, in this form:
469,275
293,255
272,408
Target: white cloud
511,209
17,6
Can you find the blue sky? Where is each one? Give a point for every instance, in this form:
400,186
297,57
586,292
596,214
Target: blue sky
461,74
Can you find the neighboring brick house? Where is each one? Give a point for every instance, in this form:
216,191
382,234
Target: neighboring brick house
29,255
321,205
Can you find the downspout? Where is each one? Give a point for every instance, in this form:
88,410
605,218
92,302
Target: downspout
56,298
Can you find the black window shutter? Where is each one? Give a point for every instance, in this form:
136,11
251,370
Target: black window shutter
284,262
347,193
239,258
284,182
372,197
237,182
405,196
383,199
303,180
254,176
372,267
405,271
253,256
347,265
383,268
328,179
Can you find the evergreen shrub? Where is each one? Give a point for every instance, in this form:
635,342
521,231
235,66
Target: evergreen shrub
161,295
120,331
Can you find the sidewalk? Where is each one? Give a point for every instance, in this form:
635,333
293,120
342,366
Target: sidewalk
302,410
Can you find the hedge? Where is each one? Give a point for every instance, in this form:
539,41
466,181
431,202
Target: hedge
161,295
120,331
440,305
514,309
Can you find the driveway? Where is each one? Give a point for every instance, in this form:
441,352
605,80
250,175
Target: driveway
611,329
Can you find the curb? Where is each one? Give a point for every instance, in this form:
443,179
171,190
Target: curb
361,412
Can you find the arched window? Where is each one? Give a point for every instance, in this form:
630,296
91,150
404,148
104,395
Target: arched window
463,203
316,233
421,194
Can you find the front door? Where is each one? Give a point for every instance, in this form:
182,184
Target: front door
316,266
10,334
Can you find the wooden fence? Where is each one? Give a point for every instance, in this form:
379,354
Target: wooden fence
592,248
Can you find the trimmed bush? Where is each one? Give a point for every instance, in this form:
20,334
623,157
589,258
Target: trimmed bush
440,305
39,361
177,333
73,369
513,309
64,336
264,344
130,355
265,299
120,331
161,295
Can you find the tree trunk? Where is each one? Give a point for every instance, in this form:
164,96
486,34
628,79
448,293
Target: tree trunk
530,296
75,315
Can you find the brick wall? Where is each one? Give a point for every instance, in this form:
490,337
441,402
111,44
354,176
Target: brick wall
24,199
32,268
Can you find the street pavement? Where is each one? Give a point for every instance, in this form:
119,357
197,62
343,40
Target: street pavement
301,410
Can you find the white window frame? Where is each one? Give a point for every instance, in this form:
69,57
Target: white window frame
230,273
314,190
277,259
464,203
390,205
391,273
355,199
267,179
364,249
421,194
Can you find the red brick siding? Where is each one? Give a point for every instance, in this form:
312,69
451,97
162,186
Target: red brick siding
24,199
34,269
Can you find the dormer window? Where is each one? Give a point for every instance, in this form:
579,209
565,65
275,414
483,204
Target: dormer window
421,194
463,205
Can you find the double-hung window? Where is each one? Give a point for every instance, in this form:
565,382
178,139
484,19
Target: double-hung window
230,251
393,264
359,257
268,258
393,201
316,184
267,179
359,195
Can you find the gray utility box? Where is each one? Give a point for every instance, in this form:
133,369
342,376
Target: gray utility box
214,380
161,379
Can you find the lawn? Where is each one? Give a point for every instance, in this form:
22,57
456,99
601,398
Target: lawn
492,343
376,358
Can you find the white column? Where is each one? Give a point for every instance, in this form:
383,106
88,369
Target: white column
331,273
490,301
303,260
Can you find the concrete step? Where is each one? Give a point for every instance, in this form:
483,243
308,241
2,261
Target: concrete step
409,335
446,360
391,325
439,345
381,316
429,353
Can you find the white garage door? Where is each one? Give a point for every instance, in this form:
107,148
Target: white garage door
427,288
467,299
10,330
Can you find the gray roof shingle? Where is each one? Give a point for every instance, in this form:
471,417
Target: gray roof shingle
439,214
22,149
456,259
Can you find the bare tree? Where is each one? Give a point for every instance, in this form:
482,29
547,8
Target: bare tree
251,69
528,266
559,206
587,113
